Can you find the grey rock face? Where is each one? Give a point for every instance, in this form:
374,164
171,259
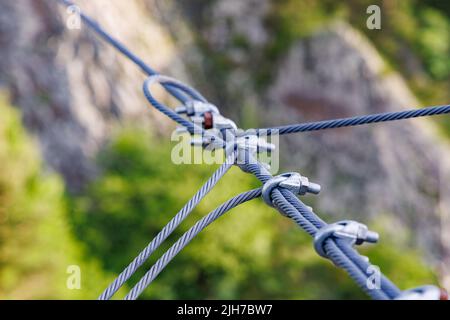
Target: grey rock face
71,87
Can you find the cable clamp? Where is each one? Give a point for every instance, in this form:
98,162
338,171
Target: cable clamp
207,141
427,292
247,145
250,144
221,123
210,120
253,144
196,108
292,181
205,115
351,231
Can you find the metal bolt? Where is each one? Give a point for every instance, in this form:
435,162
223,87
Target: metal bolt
300,185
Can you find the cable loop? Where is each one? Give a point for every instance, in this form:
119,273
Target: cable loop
166,80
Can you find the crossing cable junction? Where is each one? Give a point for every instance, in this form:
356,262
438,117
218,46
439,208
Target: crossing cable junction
196,116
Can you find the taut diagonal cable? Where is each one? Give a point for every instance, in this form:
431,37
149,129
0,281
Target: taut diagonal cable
167,230
357,121
186,238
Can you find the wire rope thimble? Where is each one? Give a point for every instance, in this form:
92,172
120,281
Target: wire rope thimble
292,181
353,232
427,292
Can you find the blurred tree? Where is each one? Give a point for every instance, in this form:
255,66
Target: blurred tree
36,244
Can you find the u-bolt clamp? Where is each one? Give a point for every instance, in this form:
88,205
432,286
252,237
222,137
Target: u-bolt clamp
196,108
423,293
206,115
351,231
250,144
209,141
292,181
210,120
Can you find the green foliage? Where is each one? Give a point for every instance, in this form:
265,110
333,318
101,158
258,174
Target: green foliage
251,252
414,39
433,43
36,245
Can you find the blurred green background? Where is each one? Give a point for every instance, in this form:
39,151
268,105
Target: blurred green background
252,252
